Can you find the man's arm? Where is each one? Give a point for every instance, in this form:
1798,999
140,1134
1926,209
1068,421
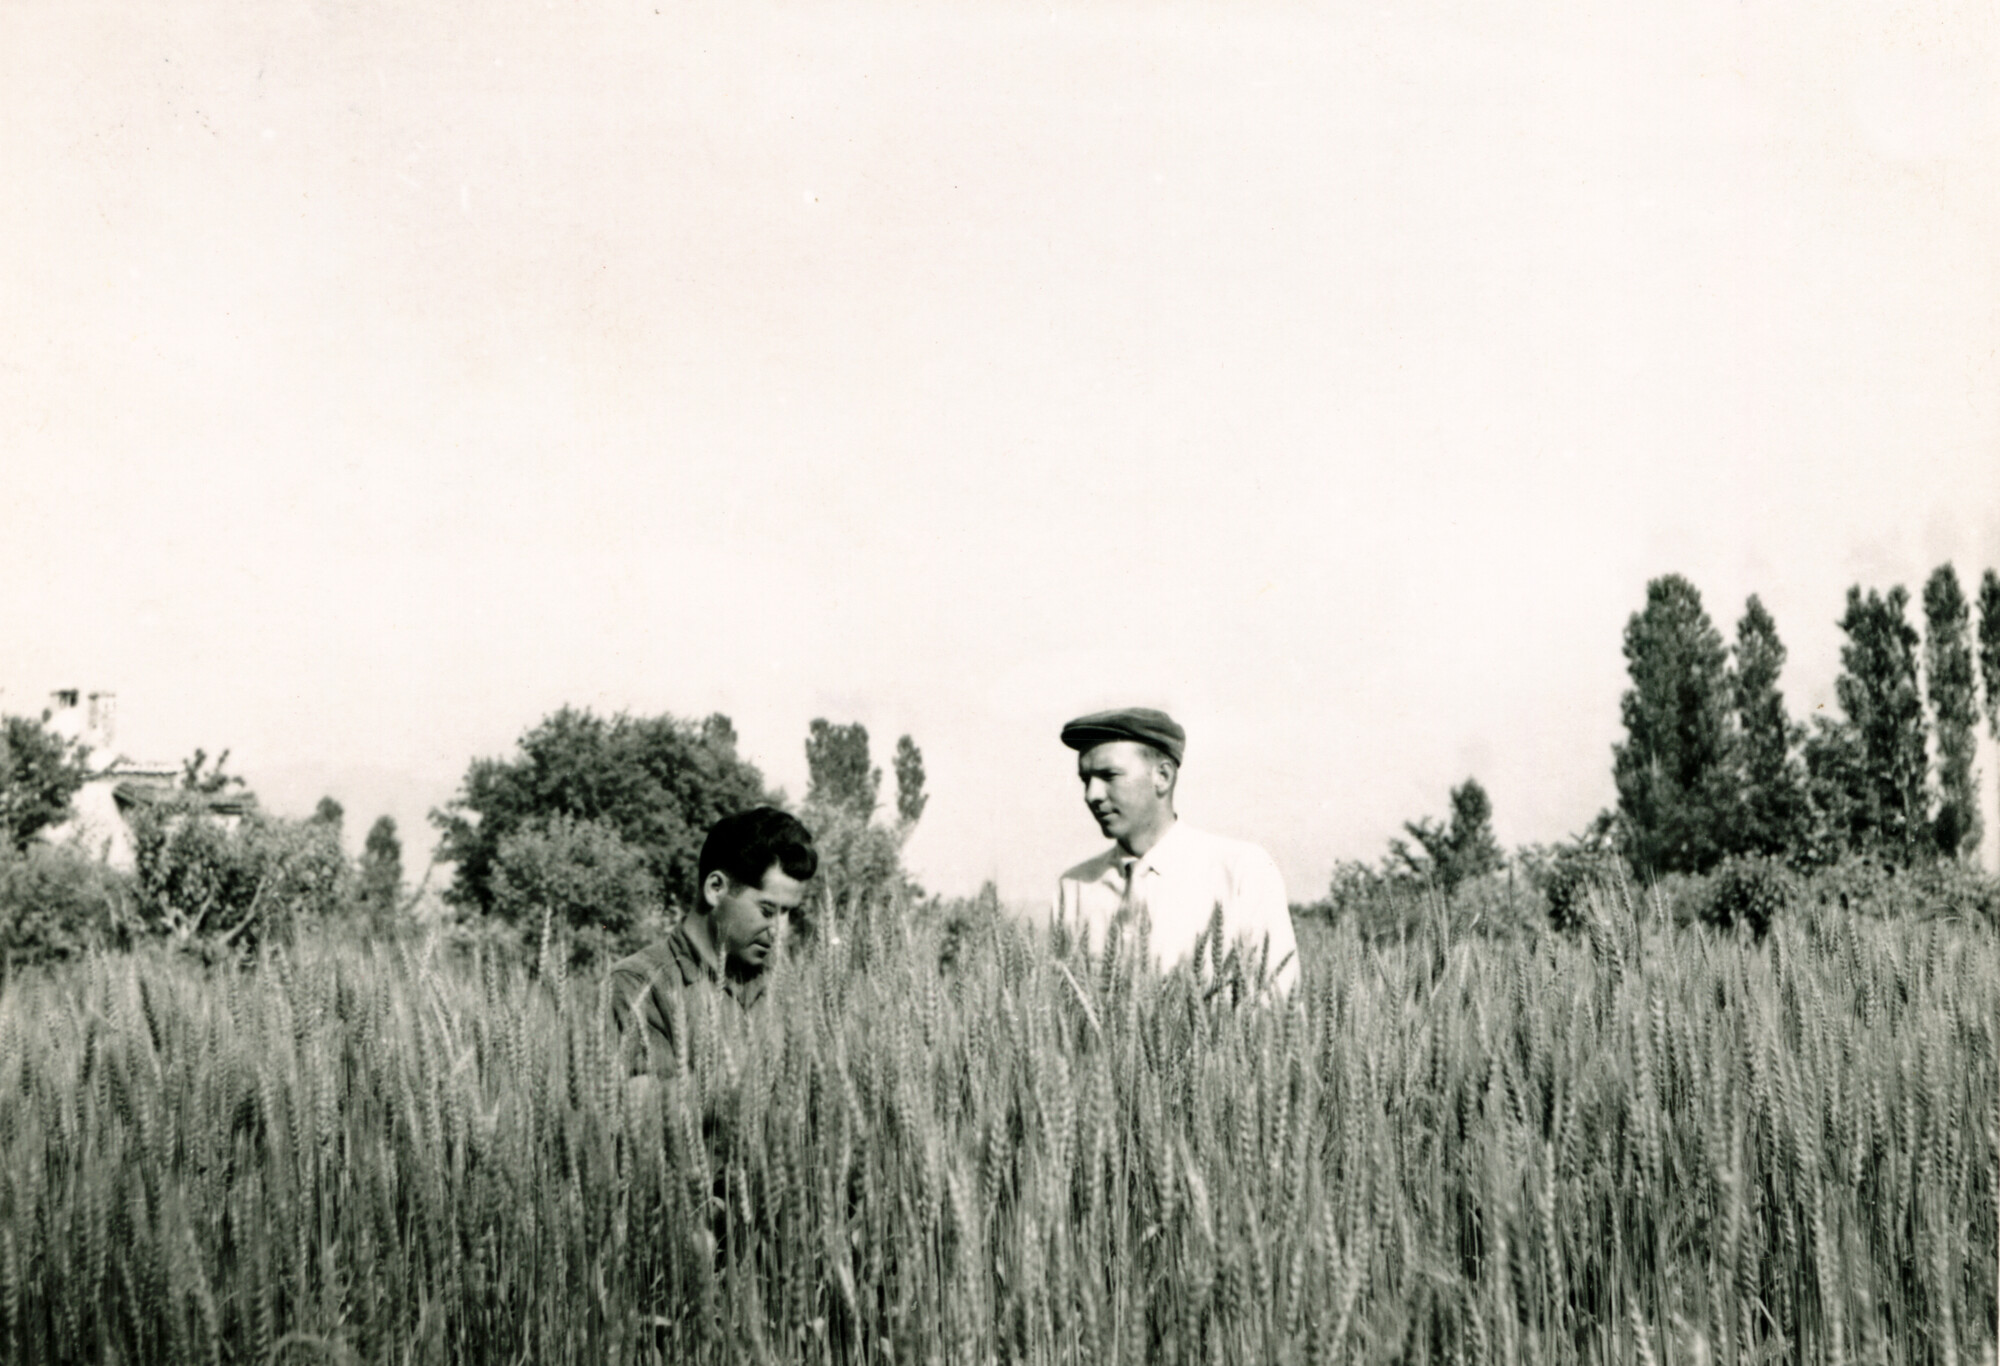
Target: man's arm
1263,912
644,1035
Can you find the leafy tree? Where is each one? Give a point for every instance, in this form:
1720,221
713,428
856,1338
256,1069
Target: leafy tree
576,879
860,862
838,771
331,814
1989,648
1954,700
718,732
56,901
1673,771
199,775
1455,852
1773,817
1877,689
1836,767
658,782
381,867
860,872
211,884
910,795
39,773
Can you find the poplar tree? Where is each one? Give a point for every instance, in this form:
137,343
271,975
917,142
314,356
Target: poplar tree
1675,785
1770,783
1877,689
910,794
381,866
1989,648
838,773
1954,706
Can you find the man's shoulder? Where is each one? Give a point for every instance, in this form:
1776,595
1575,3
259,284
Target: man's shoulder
1092,869
1222,848
660,961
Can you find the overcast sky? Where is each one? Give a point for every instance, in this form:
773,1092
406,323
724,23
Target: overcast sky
376,378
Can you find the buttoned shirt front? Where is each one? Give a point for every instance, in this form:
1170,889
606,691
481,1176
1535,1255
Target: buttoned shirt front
1177,885
639,986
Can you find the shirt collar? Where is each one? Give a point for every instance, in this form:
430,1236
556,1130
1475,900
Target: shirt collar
1165,854
695,965
688,958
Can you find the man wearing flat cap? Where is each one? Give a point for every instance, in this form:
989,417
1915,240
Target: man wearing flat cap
1129,761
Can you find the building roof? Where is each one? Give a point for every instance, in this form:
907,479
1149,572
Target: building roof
140,794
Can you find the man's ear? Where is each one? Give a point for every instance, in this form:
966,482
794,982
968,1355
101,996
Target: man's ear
713,888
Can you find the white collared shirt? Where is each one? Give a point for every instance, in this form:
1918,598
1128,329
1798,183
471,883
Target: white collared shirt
1178,883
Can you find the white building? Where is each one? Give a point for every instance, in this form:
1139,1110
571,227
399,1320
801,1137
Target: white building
117,787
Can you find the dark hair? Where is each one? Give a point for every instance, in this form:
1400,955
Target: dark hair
1156,756
745,845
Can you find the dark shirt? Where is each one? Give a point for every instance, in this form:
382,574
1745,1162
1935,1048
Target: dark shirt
652,989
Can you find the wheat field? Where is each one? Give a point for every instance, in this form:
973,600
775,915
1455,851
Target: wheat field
1640,1144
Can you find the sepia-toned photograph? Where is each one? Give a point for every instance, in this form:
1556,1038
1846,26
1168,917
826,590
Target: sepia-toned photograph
1280,682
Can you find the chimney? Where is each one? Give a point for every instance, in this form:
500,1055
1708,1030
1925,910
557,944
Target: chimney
101,727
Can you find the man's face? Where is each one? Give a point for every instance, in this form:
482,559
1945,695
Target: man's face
1122,786
748,920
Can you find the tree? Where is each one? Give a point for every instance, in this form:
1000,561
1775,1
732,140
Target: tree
39,773
1773,814
910,795
1954,700
1989,648
1877,689
1458,851
860,861
198,775
578,880
838,771
381,866
1836,791
331,814
658,782
211,884
1675,789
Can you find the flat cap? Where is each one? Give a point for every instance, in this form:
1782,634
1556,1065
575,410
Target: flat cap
1147,726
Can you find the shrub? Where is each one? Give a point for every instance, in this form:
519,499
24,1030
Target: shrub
582,881
963,922
1749,893
211,884
56,901
1873,886
860,871
1566,882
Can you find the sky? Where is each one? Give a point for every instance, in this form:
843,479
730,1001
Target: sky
376,378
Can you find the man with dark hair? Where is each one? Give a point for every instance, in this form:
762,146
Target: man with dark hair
1180,879
751,876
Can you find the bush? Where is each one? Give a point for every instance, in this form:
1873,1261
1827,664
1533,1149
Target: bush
860,871
580,880
1566,879
1873,886
214,884
56,902
964,922
1749,893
